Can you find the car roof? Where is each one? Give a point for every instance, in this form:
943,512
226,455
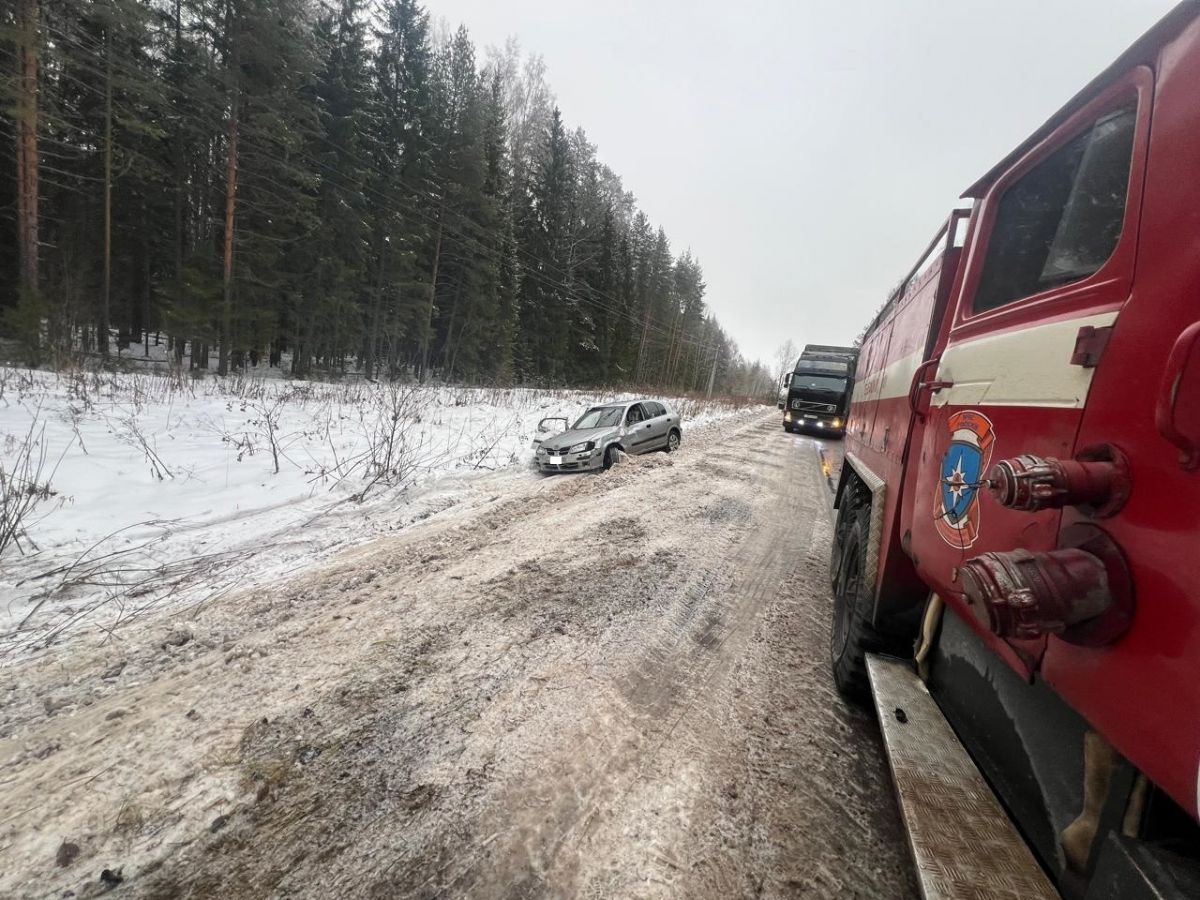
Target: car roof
617,403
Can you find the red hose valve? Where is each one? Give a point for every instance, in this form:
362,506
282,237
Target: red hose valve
1033,483
1025,595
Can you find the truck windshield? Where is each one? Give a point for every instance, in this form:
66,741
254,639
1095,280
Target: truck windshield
600,417
826,383
821,365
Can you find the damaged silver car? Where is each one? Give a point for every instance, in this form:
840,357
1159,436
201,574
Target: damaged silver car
603,433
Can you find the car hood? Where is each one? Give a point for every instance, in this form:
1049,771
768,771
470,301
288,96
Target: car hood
576,436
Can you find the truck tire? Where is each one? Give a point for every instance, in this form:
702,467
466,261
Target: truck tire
846,514
853,634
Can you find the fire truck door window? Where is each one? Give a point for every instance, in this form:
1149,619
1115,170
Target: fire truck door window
1062,219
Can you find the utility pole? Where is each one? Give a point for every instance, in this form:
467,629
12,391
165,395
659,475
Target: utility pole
712,376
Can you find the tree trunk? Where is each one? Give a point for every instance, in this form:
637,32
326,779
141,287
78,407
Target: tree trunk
178,160
372,349
227,268
106,293
427,336
147,288
27,142
449,347
231,165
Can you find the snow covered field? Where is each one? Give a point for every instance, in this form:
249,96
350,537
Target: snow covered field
152,490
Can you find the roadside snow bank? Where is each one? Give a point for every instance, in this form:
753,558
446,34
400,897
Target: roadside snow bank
149,490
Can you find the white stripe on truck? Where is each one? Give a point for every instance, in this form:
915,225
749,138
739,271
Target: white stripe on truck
1027,367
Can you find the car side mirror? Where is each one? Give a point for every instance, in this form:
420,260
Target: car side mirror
553,424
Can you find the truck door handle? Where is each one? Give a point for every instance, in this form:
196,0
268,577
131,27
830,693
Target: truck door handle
1177,412
918,385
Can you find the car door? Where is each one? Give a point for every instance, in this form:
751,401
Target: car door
1050,264
660,421
639,430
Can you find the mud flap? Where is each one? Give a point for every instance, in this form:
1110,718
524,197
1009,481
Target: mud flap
962,841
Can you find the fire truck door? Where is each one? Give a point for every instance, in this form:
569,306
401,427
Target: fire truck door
1050,262
1141,690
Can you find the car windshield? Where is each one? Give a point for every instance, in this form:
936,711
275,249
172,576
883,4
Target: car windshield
599,417
818,383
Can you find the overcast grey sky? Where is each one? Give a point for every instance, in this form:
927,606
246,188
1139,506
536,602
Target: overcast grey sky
806,152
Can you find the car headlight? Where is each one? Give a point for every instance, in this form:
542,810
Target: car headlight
581,448
837,423
787,417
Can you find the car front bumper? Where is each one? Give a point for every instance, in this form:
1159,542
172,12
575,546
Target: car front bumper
571,462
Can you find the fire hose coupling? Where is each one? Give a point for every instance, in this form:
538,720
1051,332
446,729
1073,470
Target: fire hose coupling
1082,593
1025,595
1098,481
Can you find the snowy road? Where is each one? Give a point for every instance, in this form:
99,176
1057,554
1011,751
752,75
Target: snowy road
595,686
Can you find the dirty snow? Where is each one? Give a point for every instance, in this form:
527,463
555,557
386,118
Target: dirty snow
611,686
172,490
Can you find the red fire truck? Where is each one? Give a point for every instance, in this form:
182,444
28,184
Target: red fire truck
1020,501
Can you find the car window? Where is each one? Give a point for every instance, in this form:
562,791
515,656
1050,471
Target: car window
1061,221
654,409
599,417
634,415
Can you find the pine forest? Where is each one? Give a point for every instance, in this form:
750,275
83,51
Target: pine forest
329,188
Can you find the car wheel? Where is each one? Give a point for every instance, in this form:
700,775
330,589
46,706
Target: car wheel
854,635
673,441
610,456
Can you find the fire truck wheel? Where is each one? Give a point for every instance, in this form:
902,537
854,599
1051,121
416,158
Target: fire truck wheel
853,633
847,511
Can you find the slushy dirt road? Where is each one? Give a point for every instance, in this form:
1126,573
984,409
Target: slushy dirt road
607,685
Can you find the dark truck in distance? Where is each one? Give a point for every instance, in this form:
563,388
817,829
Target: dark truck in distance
819,389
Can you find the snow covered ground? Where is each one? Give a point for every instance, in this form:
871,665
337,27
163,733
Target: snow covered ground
158,491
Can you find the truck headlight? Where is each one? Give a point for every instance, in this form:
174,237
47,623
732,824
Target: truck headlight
581,448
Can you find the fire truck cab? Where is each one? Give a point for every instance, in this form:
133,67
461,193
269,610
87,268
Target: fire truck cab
1021,493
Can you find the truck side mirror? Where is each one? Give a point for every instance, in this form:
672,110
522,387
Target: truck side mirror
1177,413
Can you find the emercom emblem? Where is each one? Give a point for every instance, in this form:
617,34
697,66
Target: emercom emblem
963,467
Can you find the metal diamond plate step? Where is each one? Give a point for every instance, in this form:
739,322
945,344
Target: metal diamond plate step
963,844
